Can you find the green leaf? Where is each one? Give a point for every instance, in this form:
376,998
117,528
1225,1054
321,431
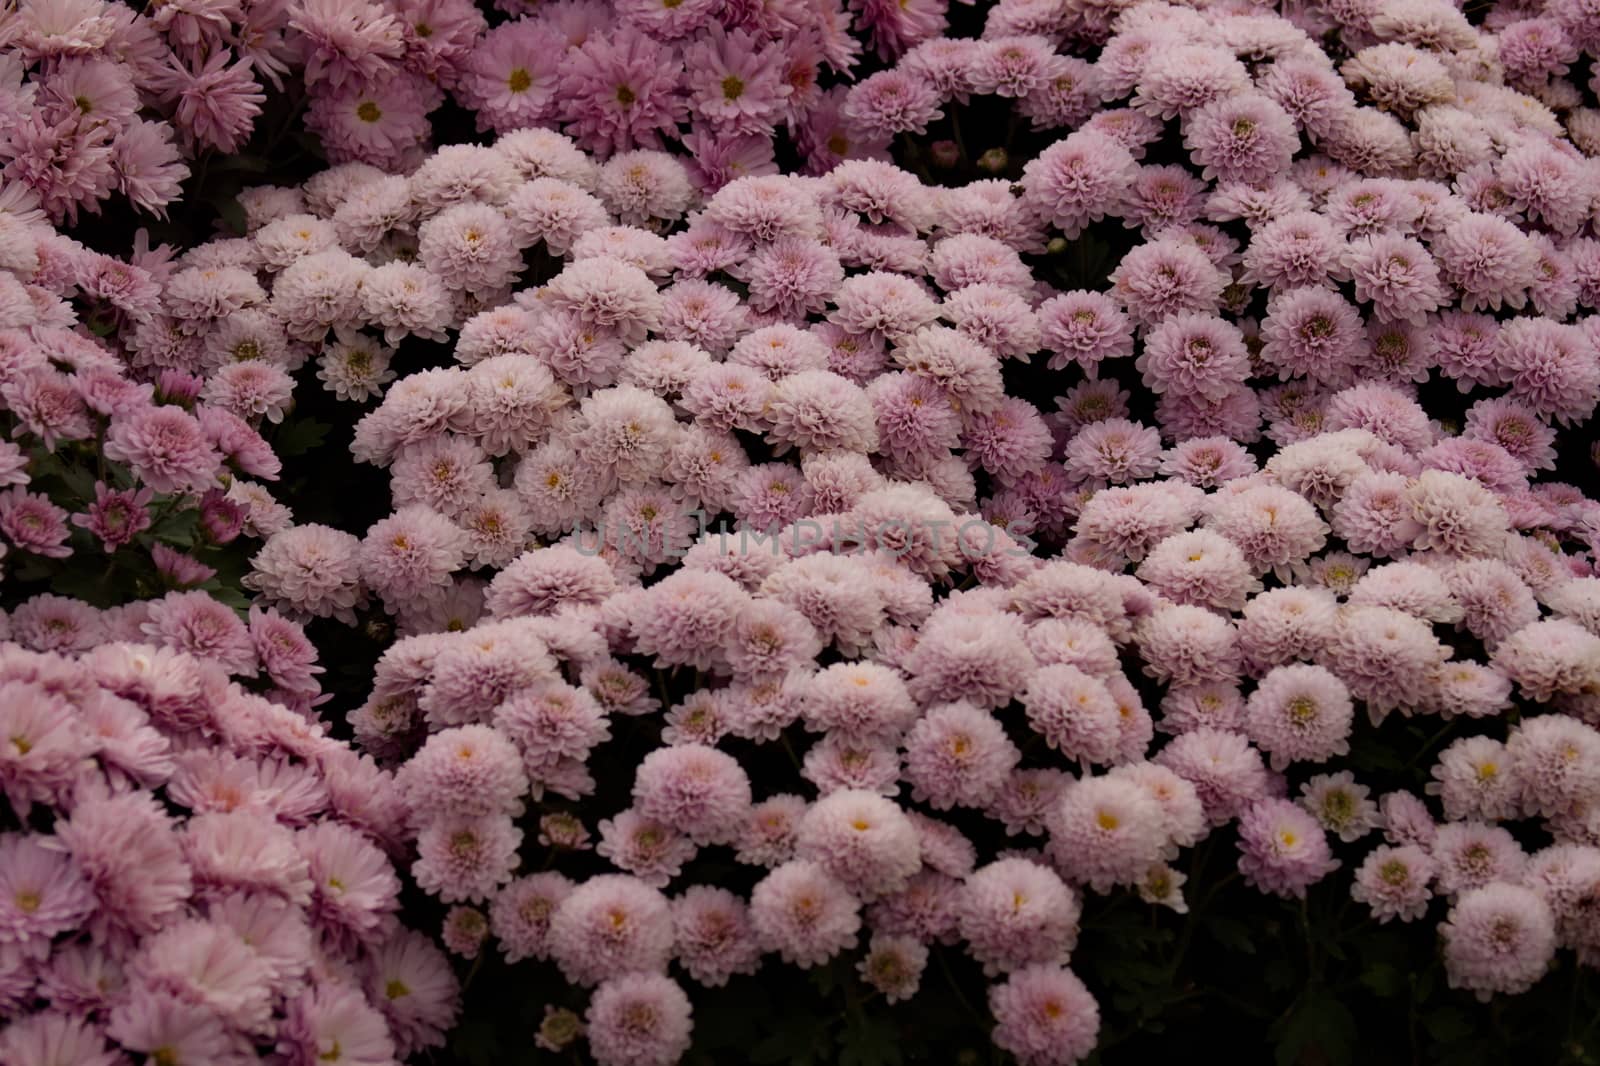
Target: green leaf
1384,980
231,213
868,1041
299,436
226,593
178,529
1319,1024
79,479
1231,934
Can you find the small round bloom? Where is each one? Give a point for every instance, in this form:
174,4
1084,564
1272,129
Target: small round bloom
957,754
166,448
1225,770
1084,327
1340,805
466,858
1044,1016
1166,277
469,770
713,936
1242,137
1384,656
1194,354
521,911
1551,757
893,965
1075,713
309,570
1393,882
1475,778
1473,854
1273,526
1106,831
609,926
697,790
1300,713
889,102
804,914
1015,913
1185,645
1498,938
1283,850
1489,259
862,839
638,1019
1375,514
408,557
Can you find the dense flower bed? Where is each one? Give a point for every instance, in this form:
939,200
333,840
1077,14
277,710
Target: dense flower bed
797,532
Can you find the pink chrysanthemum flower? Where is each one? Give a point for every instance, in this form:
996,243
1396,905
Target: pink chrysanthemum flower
1498,938
620,90
1078,180
216,106
889,102
309,570
1393,882
734,83
165,447
713,935
804,914
346,42
1044,1016
1488,259
1273,526
1283,850
1166,277
408,557
509,79
370,122
1106,831
697,790
644,847
1242,137
862,839
521,911
1194,354
1015,913
638,1019
1552,367
466,858
1473,854
957,755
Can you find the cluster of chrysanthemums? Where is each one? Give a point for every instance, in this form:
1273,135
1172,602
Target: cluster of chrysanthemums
191,870
103,98
200,876
756,432
128,476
